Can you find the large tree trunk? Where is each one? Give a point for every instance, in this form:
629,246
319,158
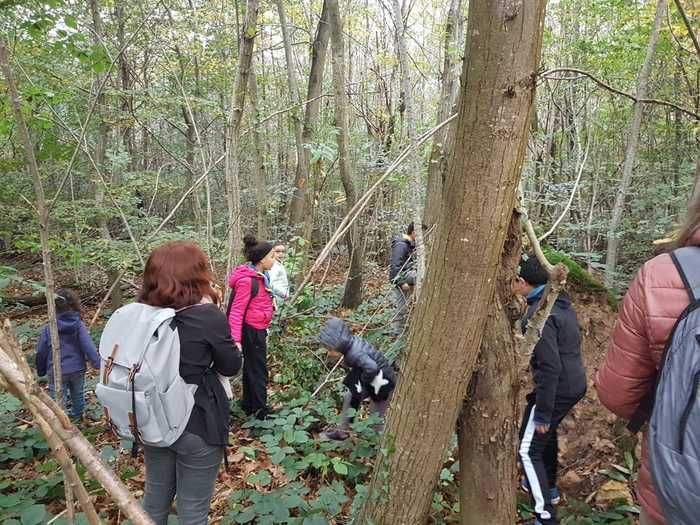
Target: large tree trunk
231,165
503,49
413,165
300,205
352,297
631,150
488,423
258,162
437,163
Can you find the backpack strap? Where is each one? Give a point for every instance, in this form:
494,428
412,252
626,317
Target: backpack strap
254,288
687,262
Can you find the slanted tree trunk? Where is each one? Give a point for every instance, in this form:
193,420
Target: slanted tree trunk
301,203
231,161
437,163
413,165
488,423
101,149
631,150
352,297
504,39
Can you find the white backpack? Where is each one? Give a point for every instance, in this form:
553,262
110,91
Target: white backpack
140,388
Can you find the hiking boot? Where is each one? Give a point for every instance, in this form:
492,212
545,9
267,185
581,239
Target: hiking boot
334,435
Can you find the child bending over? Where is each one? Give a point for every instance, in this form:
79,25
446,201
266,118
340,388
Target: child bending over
370,377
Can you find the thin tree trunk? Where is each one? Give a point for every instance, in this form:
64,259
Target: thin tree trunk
301,203
231,166
258,162
437,163
502,56
127,107
116,298
352,296
631,150
413,165
44,226
488,424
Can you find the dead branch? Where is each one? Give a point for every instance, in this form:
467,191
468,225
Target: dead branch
610,88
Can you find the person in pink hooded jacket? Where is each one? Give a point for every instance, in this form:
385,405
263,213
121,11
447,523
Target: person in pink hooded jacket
654,301
249,316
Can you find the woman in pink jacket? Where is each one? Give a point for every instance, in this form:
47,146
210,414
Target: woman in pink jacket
652,305
249,316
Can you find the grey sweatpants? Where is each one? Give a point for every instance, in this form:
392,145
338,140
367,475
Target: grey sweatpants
401,303
188,469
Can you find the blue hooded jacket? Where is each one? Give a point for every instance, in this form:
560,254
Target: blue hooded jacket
76,346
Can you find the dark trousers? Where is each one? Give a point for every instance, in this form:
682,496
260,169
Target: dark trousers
186,469
539,457
72,385
254,372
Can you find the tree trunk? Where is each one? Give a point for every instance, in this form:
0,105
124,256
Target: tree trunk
437,163
413,165
301,203
43,216
116,298
502,56
258,162
127,106
352,296
231,161
631,150
488,423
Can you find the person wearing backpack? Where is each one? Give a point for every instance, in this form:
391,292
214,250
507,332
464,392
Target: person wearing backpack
655,301
77,348
176,298
250,312
402,275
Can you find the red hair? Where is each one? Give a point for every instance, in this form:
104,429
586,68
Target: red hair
177,275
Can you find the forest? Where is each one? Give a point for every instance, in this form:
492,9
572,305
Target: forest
566,131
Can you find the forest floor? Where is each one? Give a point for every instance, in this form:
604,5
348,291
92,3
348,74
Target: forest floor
279,471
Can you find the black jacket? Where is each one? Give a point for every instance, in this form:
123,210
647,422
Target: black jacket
358,353
206,347
557,367
401,263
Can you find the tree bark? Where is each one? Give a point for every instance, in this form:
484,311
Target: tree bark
44,226
301,203
116,298
631,150
352,296
487,426
258,162
504,39
413,165
231,165
437,163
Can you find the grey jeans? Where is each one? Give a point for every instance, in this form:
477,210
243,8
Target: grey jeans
188,469
401,303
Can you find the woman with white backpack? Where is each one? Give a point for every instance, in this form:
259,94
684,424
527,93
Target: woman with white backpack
177,276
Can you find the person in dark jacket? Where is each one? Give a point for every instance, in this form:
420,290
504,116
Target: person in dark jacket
402,275
370,377
560,382
77,347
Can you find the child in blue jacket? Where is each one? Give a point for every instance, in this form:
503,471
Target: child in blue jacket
76,346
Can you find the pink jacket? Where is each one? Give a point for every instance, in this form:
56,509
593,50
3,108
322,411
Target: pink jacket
260,310
649,310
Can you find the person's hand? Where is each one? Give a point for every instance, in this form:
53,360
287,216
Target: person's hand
239,346
405,287
542,429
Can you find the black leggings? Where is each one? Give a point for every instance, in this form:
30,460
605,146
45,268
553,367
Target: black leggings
254,372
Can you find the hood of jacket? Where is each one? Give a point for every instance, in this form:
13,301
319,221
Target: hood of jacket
403,239
244,271
335,334
68,322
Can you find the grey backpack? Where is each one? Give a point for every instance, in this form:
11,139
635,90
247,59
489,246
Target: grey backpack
674,429
140,388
